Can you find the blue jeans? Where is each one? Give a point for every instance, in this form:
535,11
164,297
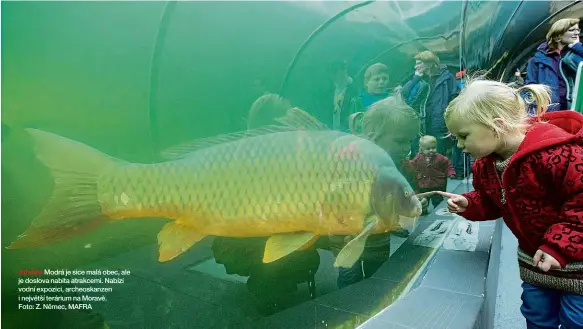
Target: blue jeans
547,308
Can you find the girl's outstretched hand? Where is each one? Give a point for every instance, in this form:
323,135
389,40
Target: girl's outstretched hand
456,203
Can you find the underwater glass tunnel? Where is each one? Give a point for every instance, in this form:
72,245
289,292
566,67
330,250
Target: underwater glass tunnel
131,79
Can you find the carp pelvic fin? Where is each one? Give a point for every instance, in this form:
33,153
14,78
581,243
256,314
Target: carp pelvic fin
174,239
309,243
353,249
281,245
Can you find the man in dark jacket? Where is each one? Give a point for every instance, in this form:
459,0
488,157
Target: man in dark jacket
429,92
345,90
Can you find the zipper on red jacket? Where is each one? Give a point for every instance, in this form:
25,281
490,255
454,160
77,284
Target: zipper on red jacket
498,178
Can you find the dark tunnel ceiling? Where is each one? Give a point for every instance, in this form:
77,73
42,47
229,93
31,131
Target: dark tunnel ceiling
517,25
464,35
496,36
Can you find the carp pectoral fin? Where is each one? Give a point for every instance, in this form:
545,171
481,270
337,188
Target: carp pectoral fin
281,245
353,249
174,239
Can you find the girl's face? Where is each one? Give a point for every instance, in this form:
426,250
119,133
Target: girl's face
475,139
397,143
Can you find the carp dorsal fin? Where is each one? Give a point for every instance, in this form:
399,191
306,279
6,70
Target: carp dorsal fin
174,239
294,120
185,149
299,119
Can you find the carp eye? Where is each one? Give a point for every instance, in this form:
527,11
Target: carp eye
407,194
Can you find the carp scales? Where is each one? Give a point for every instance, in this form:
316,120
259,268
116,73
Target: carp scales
293,183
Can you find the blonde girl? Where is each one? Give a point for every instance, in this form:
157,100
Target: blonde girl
529,171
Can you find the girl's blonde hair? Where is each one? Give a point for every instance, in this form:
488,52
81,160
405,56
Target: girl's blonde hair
482,101
384,117
558,29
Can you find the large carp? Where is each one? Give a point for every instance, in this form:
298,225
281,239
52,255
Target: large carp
292,184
